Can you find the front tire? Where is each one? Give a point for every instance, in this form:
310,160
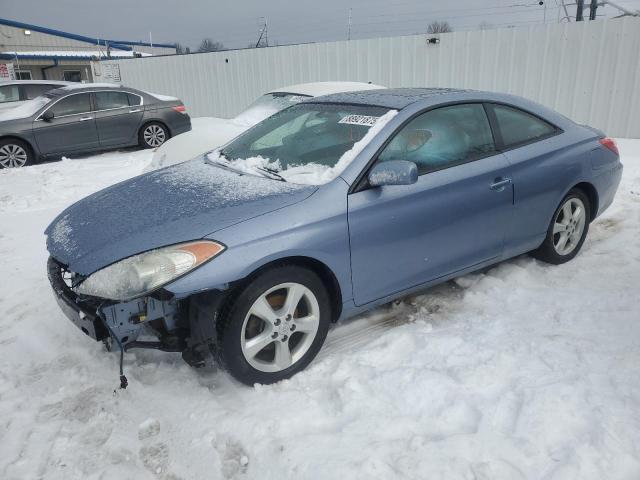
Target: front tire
152,135
274,327
568,229
15,154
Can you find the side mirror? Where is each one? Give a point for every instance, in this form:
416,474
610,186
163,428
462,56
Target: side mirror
393,172
48,116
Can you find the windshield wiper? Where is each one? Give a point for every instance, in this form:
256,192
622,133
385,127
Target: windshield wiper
223,161
272,172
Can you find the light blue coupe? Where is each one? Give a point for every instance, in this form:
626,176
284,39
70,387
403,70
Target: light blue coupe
329,208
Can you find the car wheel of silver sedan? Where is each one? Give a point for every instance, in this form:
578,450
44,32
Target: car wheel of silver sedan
14,154
568,229
152,135
275,326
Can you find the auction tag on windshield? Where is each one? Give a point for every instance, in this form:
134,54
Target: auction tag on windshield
359,120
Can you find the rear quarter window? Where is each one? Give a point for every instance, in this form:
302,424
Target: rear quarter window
518,127
134,99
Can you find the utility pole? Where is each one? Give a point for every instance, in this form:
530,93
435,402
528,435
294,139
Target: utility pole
579,10
349,28
592,9
264,32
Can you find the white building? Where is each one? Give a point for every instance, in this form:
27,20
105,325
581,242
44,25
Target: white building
39,53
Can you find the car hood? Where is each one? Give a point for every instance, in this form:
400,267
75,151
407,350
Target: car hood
176,204
206,134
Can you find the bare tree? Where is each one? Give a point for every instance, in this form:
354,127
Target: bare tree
208,45
180,49
439,27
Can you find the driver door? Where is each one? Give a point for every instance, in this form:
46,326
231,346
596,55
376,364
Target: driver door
454,217
73,127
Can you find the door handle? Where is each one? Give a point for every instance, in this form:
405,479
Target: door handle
499,184
84,119
135,110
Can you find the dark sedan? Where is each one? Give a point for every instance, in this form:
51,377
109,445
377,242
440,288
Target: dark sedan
86,118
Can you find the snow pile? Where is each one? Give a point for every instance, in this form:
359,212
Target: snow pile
524,371
24,110
312,173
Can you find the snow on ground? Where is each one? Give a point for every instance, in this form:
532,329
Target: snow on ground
525,371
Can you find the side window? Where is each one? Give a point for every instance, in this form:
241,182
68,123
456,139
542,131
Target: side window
442,138
134,99
9,93
109,100
71,105
518,127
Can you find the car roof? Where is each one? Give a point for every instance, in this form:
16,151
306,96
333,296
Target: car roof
316,89
79,87
34,82
396,98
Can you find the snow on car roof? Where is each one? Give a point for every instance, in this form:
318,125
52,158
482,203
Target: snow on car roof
316,89
164,98
76,86
34,82
397,98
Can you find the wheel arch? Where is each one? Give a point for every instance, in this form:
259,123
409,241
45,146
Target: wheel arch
146,122
592,194
327,276
29,144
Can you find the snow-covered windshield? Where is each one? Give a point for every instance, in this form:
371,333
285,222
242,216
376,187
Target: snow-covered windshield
307,143
267,105
26,109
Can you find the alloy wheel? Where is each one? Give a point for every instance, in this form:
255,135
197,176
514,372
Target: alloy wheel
12,156
280,327
154,135
569,226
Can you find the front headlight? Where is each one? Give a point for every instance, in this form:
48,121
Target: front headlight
140,274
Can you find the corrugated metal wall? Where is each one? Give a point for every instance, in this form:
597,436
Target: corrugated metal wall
589,71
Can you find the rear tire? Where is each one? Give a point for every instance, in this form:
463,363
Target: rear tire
274,327
15,153
568,229
152,135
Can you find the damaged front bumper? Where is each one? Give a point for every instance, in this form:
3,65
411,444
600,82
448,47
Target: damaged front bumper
186,326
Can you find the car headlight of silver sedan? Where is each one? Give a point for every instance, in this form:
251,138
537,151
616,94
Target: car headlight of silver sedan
142,273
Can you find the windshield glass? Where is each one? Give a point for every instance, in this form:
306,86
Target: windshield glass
307,143
267,105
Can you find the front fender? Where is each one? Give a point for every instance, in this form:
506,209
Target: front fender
315,228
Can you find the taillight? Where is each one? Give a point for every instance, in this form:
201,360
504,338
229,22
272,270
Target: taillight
610,143
180,108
